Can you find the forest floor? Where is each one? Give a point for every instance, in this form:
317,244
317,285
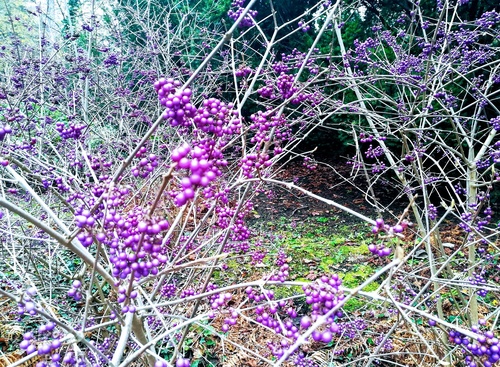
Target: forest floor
332,181
318,239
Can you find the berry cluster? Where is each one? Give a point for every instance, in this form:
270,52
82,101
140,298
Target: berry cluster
218,118
284,83
466,222
239,231
264,122
482,222
125,298
281,258
364,138
380,226
182,362
177,103
488,19
189,292
28,305
478,280
70,358
146,166
134,242
378,168
214,117
252,163
372,152
203,161
409,157
432,212
495,153
254,296
4,131
74,291
265,316
235,13
459,190
302,25
85,220
237,247
380,250
258,256
388,346
29,344
267,91
282,274
42,349
220,300
349,329
70,131
280,67
310,163
283,87
302,361
324,295
486,347
243,71
230,321
168,290
97,163
495,123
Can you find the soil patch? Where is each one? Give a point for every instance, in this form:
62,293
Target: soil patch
332,181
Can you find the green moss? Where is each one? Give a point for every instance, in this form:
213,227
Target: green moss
354,250
356,277
349,280
322,219
363,249
234,271
317,251
327,263
353,304
216,275
286,292
232,264
311,247
371,287
337,240
305,280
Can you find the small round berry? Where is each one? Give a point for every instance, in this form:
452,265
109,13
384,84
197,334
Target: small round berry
31,291
398,228
326,337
